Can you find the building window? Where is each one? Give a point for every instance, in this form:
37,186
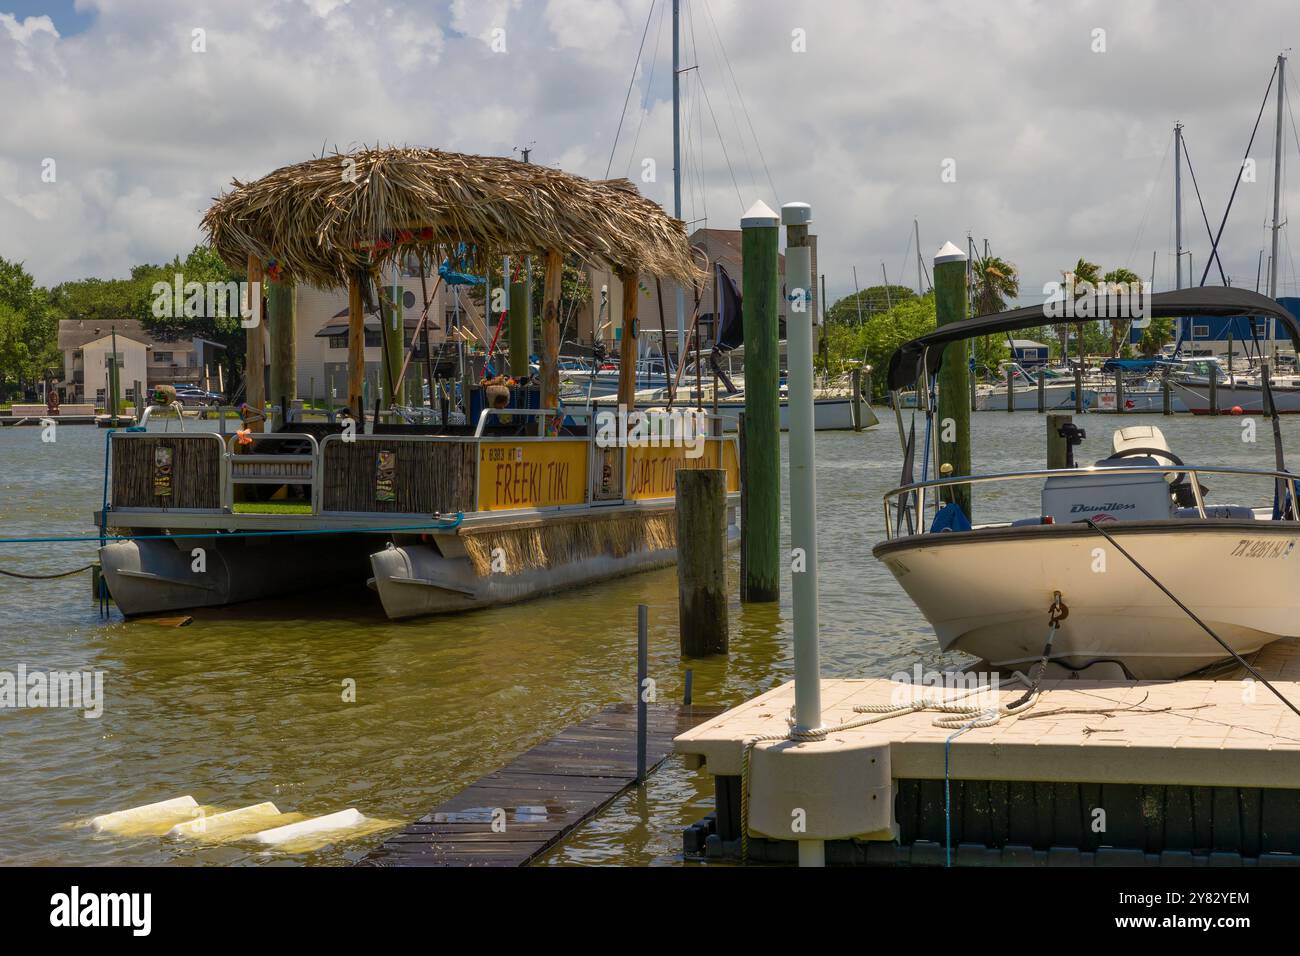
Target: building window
162,358
1200,331
339,341
99,396
372,339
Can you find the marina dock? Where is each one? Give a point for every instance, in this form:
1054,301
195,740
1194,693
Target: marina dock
1098,772
512,816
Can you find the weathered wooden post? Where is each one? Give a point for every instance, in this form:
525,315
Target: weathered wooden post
1214,390
1057,449
114,392
857,395
701,561
1042,392
356,349
627,343
951,303
518,328
551,329
803,477
394,342
281,316
255,354
758,244
1166,394
1119,392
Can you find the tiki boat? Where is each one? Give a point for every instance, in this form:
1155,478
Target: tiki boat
1153,574
525,497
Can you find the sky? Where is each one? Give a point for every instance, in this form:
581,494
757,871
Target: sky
1043,127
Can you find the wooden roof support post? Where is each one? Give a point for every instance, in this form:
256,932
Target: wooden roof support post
255,353
627,346
281,314
551,330
356,347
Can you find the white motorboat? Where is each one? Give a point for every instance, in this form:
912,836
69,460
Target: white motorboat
987,589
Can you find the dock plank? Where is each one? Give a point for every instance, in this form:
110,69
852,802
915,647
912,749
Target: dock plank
544,793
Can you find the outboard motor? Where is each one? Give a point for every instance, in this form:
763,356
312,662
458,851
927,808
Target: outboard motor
1120,497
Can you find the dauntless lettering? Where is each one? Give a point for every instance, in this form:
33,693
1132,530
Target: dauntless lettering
1110,506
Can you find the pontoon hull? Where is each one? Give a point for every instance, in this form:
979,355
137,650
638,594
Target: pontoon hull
987,592
155,576
415,580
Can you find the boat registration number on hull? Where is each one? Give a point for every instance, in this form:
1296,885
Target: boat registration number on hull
1263,548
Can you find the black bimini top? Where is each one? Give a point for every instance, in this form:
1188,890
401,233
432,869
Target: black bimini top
905,364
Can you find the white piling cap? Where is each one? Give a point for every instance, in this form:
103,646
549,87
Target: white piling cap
796,214
759,214
949,253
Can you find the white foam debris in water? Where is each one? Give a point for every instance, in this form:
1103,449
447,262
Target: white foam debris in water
342,820
233,824
147,818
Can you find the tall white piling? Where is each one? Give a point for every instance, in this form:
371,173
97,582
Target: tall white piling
803,485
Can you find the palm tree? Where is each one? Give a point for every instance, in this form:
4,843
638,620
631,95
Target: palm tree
1083,271
1119,326
995,281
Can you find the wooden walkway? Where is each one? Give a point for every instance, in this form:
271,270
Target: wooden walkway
541,795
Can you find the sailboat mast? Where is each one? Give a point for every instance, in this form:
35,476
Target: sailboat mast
677,169
1277,174
920,283
1178,205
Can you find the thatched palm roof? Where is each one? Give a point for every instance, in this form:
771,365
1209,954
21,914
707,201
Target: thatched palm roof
322,219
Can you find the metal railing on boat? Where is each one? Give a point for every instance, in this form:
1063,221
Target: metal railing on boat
922,487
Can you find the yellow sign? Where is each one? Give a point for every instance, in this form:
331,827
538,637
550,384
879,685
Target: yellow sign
652,472
535,474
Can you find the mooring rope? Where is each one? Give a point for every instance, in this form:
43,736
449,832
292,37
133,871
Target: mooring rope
954,715
45,577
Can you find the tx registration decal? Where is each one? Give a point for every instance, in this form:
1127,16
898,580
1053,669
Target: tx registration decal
1262,548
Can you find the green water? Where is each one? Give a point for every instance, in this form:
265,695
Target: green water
246,703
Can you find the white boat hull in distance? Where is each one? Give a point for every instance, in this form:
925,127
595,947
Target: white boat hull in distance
987,592
1025,398
1249,398
829,415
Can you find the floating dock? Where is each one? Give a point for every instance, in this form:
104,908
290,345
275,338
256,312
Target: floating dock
512,816
1098,772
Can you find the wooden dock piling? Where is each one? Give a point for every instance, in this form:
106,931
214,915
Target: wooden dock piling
762,475
857,399
701,561
1057,448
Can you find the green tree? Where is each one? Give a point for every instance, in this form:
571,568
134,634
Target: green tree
28,330
1118,326
995,281
1156,335
862,305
